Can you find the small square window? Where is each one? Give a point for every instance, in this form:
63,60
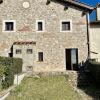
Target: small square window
9,26
29,51
18,51
40,56
65,26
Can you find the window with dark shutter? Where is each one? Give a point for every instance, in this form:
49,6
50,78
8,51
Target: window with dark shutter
65,26
40,26
9,26
40,56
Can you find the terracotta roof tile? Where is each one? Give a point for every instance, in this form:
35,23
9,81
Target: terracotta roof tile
24,42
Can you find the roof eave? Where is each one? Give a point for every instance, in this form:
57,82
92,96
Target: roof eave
80,4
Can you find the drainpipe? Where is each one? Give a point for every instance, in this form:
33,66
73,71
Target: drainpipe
88,34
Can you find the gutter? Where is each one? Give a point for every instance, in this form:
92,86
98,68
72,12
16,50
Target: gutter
88,34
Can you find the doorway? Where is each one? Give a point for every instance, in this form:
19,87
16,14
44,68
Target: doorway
71,59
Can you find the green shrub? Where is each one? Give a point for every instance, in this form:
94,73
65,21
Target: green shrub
9,78
2,70
17,66
12,66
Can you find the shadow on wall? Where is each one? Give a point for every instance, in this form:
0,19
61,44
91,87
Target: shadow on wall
11,53
1,1
87,83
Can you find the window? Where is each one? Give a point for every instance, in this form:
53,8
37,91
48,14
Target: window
18,51
39,25
65,26
9,25
40,56
29,51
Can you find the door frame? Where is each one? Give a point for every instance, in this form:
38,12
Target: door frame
71,67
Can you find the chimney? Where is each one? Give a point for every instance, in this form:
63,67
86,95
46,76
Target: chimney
98,12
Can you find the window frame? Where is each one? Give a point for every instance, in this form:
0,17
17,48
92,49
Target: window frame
40,58
69,20
18,53
43,25
27,52
14,25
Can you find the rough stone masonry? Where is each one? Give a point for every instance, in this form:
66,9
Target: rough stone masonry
51,41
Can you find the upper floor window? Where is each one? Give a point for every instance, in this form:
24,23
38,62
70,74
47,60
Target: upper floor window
9,25
39,25
65,26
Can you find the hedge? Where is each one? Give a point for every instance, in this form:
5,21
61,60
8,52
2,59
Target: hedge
12,66
94,68
2,70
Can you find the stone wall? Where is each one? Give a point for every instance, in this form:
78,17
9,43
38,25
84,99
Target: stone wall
95,41
51,42
98,13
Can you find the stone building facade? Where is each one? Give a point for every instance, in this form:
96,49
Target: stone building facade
95,36
47,35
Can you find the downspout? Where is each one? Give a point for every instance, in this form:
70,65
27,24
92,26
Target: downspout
88,34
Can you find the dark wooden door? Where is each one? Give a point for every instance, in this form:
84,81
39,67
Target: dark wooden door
68,59
71,59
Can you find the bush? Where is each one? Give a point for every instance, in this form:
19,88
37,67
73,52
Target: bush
15,64
94,68
2,70
12,66
9,78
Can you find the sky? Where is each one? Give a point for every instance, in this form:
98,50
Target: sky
92,3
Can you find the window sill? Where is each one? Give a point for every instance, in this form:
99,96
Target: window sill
39,61
39,31
66,31
8,31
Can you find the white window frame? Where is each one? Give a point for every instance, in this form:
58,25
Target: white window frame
28,52
18,53
69,20
4,21
43,23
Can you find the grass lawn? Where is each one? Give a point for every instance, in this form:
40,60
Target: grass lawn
44,88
